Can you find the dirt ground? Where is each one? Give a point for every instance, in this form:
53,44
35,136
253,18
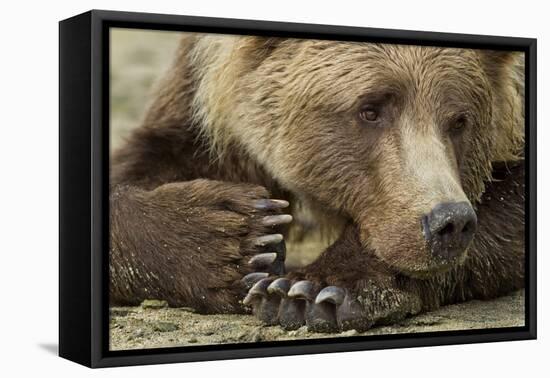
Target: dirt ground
137,327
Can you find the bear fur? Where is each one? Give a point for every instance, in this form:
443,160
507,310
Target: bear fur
240,119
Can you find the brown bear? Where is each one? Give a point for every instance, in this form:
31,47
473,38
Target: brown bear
415,153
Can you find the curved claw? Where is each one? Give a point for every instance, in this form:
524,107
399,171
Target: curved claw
247,301
301,290
331,294
251,278
259,289
274,220
280,287
270,204
268,239
263,259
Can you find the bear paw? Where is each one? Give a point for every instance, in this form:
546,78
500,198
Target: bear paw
293,304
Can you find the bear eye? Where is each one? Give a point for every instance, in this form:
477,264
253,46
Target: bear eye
459,123
368,114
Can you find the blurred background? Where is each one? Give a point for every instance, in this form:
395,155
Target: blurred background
138,60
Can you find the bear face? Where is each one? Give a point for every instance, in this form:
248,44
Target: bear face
387,135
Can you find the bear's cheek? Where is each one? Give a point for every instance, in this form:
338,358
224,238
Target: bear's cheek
331,168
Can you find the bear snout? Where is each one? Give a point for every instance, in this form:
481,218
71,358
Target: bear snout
449,228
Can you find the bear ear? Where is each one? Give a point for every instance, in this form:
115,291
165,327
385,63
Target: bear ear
254,50
495,62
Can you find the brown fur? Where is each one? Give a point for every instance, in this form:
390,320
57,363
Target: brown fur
241,118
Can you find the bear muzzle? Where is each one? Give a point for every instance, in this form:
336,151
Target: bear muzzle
449,229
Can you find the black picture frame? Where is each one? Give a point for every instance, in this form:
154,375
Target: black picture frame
83,196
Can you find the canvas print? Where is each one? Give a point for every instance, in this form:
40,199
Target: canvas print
267,189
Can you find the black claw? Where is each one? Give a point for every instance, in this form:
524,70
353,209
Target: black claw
275,220
260,287
265,307
331,294
263,259
278,266
302,290
351,315
268,239
321,317
249,299
291,314
280,287
270,204
250,279
258,290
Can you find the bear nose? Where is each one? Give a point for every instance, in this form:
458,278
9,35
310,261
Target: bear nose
449,228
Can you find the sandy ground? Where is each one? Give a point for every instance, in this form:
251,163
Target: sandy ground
139,59
137,327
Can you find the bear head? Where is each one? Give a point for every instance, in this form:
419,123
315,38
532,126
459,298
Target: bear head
398,138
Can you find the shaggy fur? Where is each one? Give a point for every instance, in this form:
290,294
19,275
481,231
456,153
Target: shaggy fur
242,118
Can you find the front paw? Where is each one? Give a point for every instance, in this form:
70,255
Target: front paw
293,304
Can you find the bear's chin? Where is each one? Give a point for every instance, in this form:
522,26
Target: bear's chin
430,269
